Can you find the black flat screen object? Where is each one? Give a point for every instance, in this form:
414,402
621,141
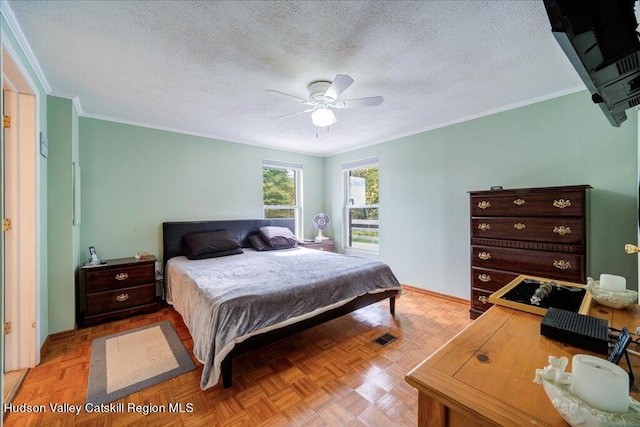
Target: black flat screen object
624,339
559,297
620,349
588,332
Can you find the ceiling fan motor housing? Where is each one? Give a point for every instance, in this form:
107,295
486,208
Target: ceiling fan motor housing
318,89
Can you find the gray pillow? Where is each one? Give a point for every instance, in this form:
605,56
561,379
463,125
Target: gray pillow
259,244
211,244
278,237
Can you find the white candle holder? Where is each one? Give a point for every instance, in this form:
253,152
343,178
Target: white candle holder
613,299
575,411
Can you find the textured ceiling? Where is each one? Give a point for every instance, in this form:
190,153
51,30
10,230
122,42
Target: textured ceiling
203,67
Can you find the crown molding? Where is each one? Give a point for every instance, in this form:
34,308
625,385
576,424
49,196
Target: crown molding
198,134
74,99
14,26
78,105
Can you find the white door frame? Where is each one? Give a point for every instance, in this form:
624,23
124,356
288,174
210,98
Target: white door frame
22,292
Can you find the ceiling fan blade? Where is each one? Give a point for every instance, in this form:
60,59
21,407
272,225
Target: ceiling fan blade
297,112
360,102
291,97
339,85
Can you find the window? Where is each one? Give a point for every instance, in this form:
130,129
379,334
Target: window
282,191
361,204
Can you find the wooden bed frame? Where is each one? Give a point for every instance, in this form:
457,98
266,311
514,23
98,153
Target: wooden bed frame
173,245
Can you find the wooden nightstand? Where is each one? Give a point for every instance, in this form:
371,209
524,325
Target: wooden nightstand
325,245
117,289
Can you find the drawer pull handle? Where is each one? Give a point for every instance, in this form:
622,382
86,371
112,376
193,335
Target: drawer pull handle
519,226
483,299
484,255
122,276
561,264
484,227
484,204
484,278
562,230
562,203
122,297
519,202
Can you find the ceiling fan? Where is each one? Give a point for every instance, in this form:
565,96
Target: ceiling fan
323,97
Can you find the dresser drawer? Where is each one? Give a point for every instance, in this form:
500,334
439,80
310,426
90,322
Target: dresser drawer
566,203
480,299
555,265
101,302
569,231
490,280
121,277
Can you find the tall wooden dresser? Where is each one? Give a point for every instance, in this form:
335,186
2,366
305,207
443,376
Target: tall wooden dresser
535,231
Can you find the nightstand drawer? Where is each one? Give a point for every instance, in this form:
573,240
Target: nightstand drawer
326,245
122,277
100,302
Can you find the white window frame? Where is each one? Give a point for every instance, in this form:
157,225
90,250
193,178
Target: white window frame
297,208
346,168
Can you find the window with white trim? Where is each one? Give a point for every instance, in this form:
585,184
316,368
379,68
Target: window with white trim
361,204
282,191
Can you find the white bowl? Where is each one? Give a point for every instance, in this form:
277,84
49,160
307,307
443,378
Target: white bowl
578,413
609,298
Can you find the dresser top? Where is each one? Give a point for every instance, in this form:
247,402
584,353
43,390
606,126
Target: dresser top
122,262
530,190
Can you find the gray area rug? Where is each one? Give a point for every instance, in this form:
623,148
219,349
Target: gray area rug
129,361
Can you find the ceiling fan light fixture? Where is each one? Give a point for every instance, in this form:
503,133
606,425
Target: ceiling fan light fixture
323,117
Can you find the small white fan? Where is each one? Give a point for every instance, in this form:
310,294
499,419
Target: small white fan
321,221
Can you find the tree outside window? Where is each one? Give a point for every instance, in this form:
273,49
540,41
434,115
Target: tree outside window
362,208
281,192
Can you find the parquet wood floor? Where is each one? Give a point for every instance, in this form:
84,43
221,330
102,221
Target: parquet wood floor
330,375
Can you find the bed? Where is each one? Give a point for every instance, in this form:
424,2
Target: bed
234,304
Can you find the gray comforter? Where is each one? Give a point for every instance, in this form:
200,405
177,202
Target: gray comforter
223,301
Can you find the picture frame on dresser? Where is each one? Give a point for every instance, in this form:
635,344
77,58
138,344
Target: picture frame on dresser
539,231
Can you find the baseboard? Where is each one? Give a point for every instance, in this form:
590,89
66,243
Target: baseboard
54,337
45,347
436,294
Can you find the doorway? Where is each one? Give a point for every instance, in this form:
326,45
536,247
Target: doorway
20,205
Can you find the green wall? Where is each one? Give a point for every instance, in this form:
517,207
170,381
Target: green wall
135,178
63,236
424,180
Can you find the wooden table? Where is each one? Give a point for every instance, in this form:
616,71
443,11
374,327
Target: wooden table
484,375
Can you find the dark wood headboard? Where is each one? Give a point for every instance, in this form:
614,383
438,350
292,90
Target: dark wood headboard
173,232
